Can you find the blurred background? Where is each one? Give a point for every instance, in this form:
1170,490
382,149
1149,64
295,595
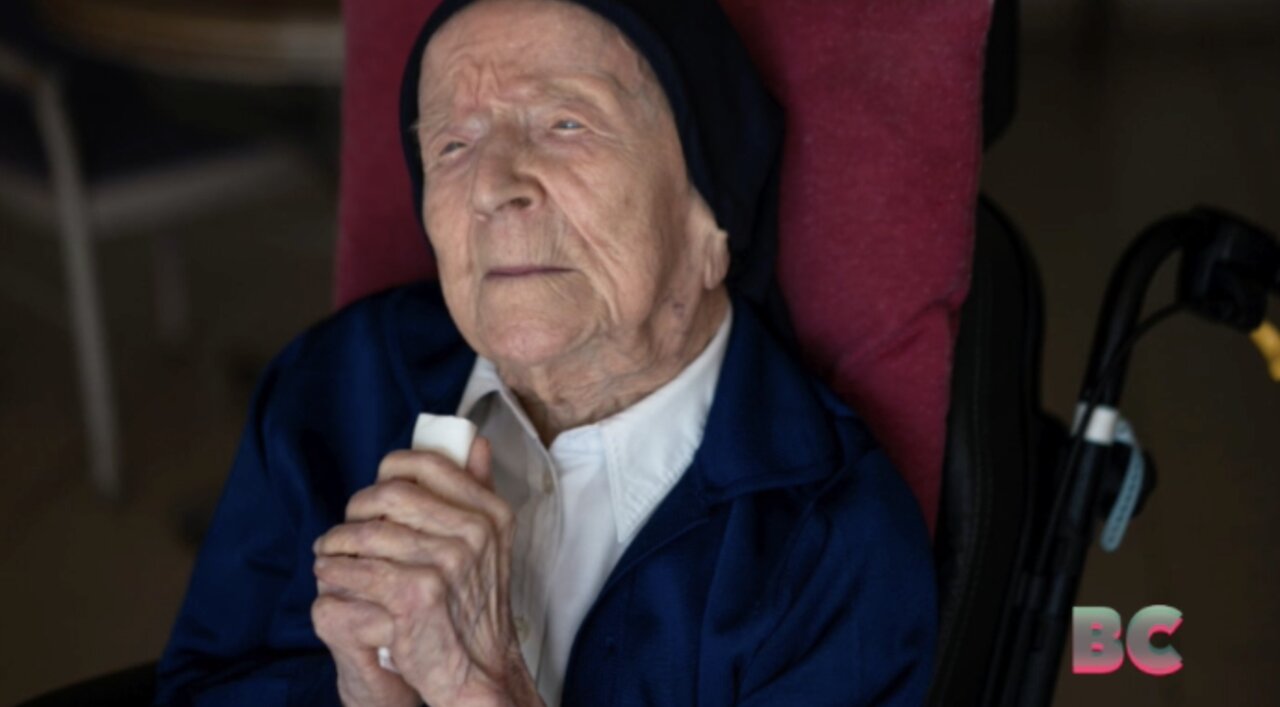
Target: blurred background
208,145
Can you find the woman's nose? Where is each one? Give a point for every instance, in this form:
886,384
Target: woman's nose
503,181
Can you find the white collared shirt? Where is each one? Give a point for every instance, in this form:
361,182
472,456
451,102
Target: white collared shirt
579,504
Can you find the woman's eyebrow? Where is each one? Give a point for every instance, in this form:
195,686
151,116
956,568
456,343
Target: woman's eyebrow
598,92
594,92
431,118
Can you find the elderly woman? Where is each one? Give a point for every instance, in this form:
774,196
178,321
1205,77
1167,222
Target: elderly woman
660,508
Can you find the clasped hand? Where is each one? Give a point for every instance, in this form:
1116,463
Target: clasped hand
422,565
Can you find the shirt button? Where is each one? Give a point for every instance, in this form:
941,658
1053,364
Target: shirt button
522,628
548,483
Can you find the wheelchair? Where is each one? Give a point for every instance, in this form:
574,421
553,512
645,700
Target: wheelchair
1020,493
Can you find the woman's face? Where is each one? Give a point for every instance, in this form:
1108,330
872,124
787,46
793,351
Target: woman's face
555,193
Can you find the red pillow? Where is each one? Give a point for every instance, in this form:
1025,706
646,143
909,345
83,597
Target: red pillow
878,189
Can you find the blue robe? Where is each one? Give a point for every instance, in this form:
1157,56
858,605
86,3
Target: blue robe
788,566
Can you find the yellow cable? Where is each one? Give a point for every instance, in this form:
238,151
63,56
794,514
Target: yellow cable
1267,339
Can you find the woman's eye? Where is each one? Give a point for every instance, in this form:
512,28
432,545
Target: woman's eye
567,124
452,146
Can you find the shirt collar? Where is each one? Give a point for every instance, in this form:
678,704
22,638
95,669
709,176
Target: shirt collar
646,447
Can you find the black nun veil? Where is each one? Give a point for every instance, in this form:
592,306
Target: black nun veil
730,127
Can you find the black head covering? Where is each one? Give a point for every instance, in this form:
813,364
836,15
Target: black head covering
730,127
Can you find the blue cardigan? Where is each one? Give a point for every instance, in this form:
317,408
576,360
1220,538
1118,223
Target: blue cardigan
788,566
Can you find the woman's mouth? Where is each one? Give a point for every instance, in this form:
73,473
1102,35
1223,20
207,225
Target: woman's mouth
524,271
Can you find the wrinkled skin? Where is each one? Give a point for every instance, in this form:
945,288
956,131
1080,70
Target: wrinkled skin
422,565
573,252
548,144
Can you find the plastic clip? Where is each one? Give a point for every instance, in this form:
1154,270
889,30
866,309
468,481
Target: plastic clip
1101,429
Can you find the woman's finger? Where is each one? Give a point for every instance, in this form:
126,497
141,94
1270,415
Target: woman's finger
388,540
352,624
421,509
455,485
480,463
403,590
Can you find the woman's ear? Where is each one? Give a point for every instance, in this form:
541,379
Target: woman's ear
717,261
711,243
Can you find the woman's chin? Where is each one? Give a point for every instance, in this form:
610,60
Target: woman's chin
529,341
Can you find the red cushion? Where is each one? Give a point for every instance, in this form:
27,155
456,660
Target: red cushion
878,189
379,242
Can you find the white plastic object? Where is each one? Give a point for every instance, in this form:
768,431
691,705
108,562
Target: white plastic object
446,434
450,436
1101,429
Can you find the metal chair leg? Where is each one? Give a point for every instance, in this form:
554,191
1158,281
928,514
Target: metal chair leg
85,301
